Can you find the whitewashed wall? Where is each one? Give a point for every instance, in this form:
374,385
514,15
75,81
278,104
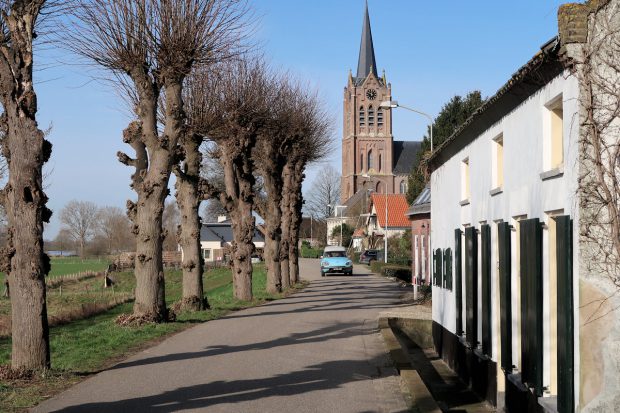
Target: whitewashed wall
524,191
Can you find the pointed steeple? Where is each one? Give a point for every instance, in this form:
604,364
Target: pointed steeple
366,63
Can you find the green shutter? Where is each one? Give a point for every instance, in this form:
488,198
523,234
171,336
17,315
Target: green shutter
447,268
458,267
531,304
505,294
485,263
471,286
439,268
564,257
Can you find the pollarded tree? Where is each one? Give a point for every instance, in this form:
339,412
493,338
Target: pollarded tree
235,111
151,46
80,218
26,150
270,156
312,144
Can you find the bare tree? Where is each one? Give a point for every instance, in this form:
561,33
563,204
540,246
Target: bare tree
80,219
114,226
171,219
235,112
25,150
152,46
324,193
312,145
598,70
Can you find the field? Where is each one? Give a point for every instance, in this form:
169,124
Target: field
82,347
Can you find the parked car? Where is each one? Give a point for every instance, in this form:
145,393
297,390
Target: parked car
369,256
335,260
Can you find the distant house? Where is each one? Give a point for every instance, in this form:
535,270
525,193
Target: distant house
216,238
420,217
392,206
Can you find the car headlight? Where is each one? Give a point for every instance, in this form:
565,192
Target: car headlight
324,264
348,263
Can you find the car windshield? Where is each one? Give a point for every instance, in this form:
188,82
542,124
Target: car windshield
333,254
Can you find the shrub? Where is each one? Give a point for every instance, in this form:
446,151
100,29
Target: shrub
307,252
377,266
400,272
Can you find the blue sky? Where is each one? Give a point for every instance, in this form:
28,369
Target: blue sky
430,50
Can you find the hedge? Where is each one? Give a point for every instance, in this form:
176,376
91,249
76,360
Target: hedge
310,252
400,272
377,266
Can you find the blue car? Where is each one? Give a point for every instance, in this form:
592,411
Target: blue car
335,260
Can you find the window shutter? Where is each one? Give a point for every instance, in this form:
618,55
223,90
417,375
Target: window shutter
505,294
447,268
439,267
471,286
458,266
531,304
485,258
564,257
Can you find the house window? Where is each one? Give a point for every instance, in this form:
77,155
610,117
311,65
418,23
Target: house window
371,116
206,254
380,117
403,187
498,162
370,160
555,135
362,116
465,189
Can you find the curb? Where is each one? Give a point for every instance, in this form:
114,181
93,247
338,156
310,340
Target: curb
422,397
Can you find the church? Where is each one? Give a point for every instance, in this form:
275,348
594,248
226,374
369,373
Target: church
371,158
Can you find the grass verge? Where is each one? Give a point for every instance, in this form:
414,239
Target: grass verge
81,348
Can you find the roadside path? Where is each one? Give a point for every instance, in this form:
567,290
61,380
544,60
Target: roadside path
316,351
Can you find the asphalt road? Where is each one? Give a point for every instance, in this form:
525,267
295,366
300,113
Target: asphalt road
317,351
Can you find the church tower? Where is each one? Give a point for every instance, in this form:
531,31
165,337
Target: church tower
367,142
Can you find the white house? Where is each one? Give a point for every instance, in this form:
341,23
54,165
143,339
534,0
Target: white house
216,237
513,282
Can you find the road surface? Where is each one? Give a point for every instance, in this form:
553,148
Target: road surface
317,351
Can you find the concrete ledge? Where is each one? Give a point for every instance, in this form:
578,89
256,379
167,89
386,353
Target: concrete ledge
422,397
398,356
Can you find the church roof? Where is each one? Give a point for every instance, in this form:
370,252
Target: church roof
366,63
404,154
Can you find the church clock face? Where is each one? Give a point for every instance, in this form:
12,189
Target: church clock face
371,94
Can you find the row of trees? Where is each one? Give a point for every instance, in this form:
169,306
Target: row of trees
195,86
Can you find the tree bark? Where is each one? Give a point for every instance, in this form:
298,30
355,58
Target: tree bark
188,178
296,205
26,150
273,220
287,176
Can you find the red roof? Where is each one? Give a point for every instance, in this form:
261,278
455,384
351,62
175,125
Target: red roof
396,208
358,233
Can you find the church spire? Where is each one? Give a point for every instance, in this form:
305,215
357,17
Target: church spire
366,63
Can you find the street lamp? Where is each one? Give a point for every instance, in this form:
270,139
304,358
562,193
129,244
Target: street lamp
385,235
392,104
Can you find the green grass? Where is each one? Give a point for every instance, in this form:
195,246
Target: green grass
89,345
74,265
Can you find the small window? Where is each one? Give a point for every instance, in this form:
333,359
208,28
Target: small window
498,162
371,116
403,187
555,135
380,117
380,163
370,160
465,189
361,162
362,116
206,254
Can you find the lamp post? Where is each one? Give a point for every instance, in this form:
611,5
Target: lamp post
385,231
392,104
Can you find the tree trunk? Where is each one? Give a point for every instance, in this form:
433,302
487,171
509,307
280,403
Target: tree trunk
189,231
296,205
273,220
286,226
26,150
242,249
